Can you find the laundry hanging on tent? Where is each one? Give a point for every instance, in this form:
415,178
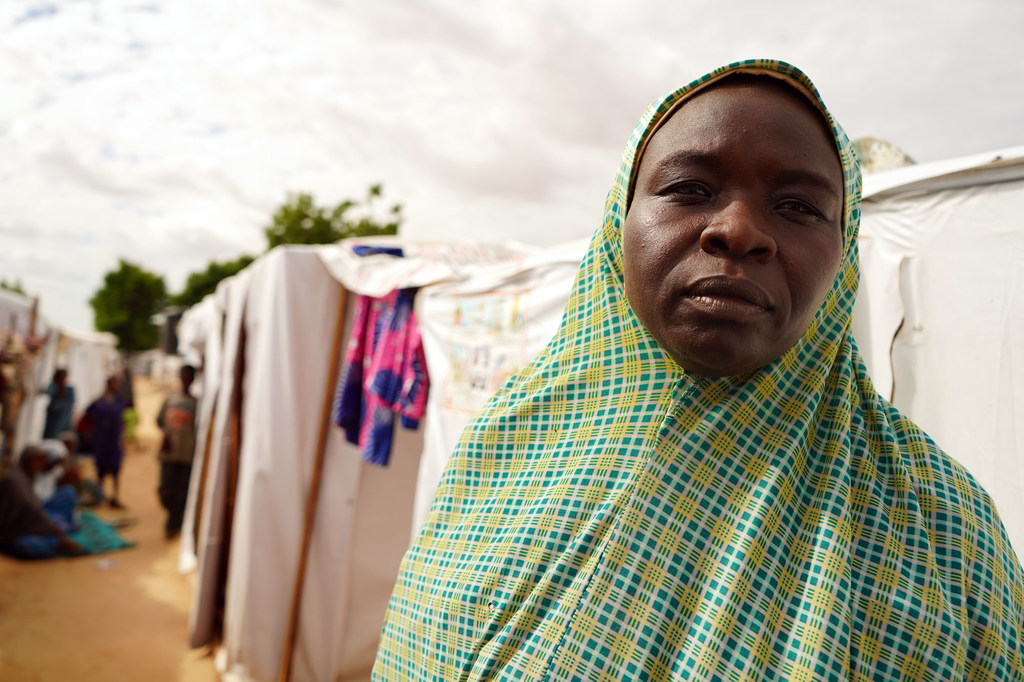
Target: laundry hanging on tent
384,375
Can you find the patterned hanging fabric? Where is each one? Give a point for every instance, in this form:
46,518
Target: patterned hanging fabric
385,373
608,516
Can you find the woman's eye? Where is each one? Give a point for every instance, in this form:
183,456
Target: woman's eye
799,207
687,189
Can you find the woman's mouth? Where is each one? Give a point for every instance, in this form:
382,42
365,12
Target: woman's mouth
727,297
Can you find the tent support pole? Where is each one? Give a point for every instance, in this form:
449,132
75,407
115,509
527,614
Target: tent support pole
285,671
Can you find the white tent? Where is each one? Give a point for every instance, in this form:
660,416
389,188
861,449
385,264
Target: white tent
89,357
267,342
940,316
17,312
477,332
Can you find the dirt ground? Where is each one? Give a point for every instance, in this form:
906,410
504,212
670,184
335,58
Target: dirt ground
111,617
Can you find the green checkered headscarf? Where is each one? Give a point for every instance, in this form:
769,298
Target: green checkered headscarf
609,517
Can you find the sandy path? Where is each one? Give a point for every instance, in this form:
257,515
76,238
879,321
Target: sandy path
112,617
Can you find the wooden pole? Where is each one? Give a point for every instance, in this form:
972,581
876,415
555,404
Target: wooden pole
34,317
285,671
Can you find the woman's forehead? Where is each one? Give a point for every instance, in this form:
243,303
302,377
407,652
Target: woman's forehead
754,94
759,86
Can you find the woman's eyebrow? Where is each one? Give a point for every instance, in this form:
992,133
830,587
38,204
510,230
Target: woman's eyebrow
684,158
803,176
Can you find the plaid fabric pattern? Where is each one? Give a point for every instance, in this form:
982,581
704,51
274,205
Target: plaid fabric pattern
608,517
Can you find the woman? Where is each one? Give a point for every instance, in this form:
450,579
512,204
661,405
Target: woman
31,528
107,416
61,405
696,478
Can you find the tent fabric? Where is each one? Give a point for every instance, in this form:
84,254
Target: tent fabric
274,321
476,333
940,318
422,264
975,170
15,313
89,357
201,329
278,319
211,535
288,325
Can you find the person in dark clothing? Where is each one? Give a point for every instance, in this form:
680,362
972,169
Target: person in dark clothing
177,419
62,404
29,527
107,416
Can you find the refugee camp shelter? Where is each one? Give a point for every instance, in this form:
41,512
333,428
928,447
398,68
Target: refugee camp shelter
940,313
90,357
295,540
18,313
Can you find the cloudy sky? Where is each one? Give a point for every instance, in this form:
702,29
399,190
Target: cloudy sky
167,131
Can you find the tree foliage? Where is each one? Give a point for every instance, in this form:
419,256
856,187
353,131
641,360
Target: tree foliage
300,221
13,285
123,306
199,284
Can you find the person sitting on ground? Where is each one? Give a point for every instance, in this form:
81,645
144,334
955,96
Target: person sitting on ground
61,405
66,446
177,420
58,466
31,528
107,416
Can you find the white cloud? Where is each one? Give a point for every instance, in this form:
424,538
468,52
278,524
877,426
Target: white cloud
167,131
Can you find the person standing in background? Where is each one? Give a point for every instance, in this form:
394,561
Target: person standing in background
62,404
177,420
107,416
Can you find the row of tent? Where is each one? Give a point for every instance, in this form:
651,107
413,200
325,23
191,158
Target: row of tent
90,357
296,541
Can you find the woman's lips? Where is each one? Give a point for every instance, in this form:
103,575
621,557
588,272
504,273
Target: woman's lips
727,297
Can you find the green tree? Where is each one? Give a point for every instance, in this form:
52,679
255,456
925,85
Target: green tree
13,285
125,304
300,221
199,284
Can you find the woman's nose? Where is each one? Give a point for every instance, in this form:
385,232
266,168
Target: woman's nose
739,231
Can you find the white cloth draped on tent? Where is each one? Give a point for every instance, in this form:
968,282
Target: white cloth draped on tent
940,314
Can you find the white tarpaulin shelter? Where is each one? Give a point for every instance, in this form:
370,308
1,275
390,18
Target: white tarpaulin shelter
267,339
478,332
89,357
17,313
940,315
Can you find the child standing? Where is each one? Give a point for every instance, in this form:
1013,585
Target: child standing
177,419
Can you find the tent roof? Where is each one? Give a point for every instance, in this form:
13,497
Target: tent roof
87,336
1000,165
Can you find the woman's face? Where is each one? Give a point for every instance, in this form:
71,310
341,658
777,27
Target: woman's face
734,234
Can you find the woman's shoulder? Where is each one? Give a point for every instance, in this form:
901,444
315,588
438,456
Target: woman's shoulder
959,507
